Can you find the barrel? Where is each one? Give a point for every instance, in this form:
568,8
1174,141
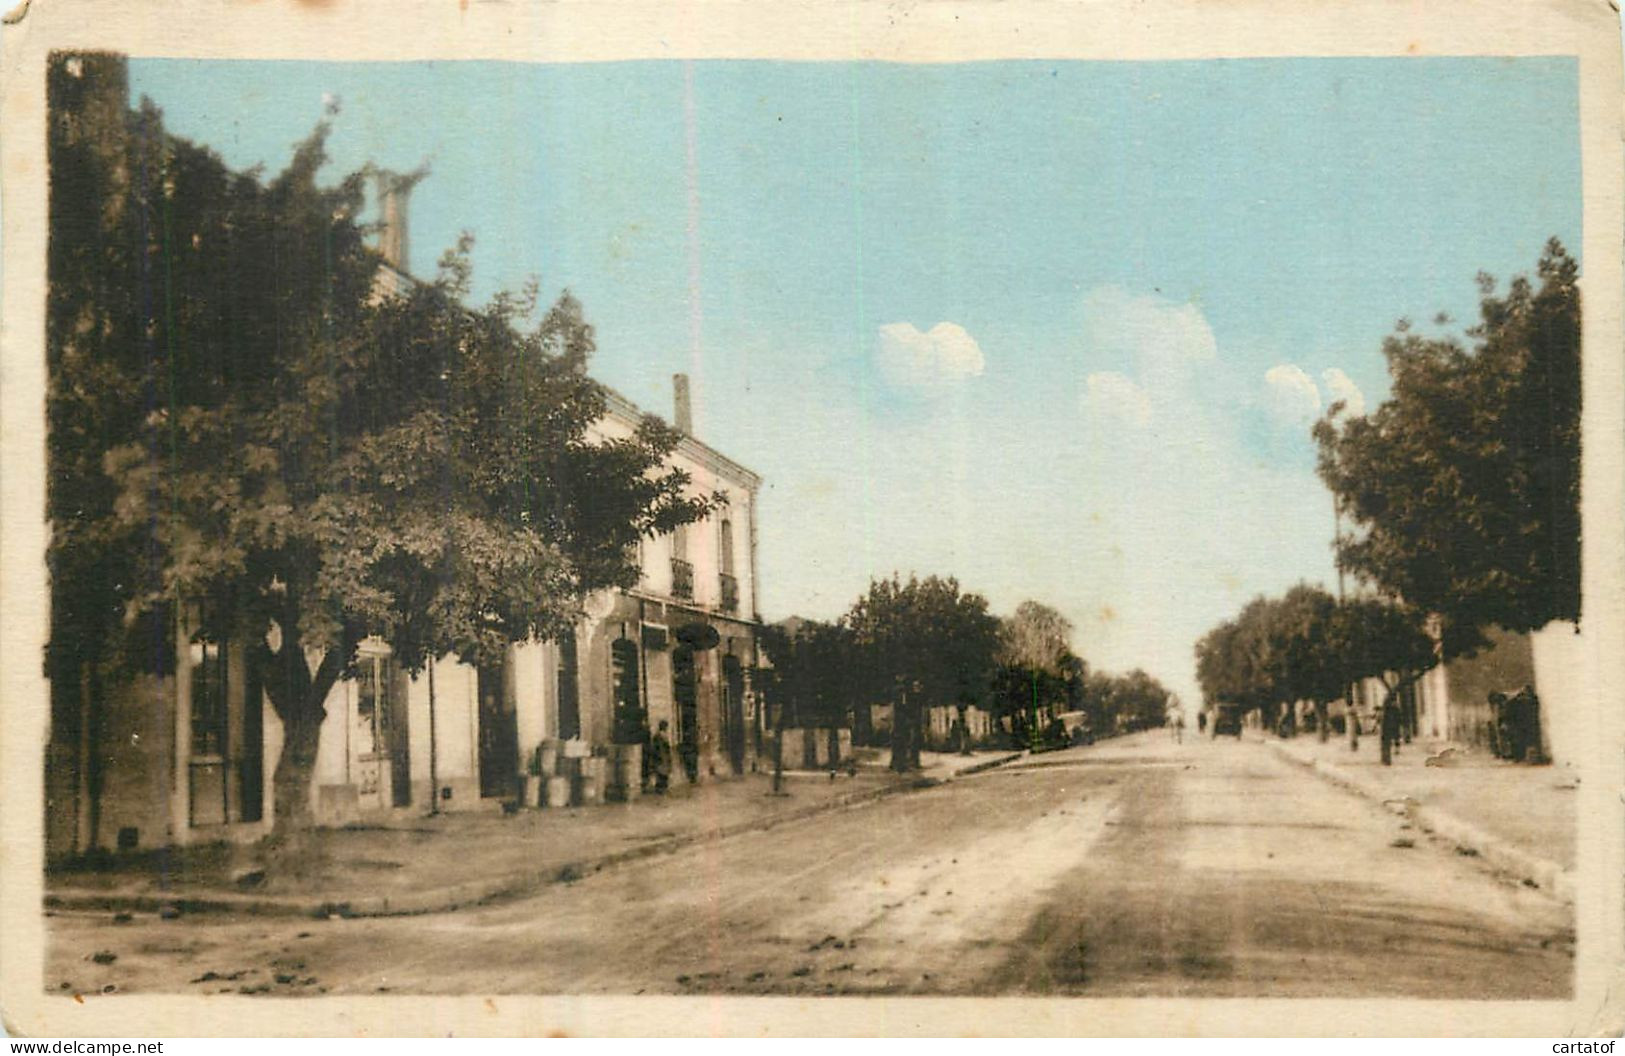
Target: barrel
793,746
820,748
556,792
589,781
626,772
547,757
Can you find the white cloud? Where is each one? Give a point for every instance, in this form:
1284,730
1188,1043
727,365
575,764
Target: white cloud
1116,396
1153,332
1291,395
944,354
1339,386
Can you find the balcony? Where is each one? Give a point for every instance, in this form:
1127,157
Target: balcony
730,593
682,578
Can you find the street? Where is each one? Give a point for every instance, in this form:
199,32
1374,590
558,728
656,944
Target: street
1136,867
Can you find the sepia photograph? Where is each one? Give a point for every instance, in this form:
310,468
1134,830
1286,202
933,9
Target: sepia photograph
850,529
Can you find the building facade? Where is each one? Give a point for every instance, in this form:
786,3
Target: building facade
186,753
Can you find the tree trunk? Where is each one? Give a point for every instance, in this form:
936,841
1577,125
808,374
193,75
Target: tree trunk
299,699
1351,719
917,742
1322,727
295,767
901,738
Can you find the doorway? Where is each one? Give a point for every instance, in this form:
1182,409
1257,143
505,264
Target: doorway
685,691
379,739
733,711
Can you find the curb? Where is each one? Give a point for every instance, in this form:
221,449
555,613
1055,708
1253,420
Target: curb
1532,870
476,892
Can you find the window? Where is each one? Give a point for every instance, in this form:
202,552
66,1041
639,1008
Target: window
208,698
373,704
630,726
725,558
569,688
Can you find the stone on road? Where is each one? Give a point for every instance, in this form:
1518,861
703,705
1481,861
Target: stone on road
1134,867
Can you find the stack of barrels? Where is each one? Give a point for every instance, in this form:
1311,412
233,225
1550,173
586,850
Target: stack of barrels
550,763
575,774
589,774
625,772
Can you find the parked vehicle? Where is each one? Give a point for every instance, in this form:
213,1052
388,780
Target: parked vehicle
1050,736
1078,728
1227,719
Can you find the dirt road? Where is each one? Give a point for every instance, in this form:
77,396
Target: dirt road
1135,867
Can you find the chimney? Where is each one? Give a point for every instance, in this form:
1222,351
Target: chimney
684,418
394,194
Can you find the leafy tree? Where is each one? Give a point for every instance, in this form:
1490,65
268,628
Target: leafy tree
313,463
1235,661
811,673
1036,637
1307,651
921,641
1464,484
1386,641
1037,669
99,385
1135,701
1307,645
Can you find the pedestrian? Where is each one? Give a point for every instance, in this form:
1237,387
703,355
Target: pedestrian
1524,712
1389,720
1201,723
1500,726
660,758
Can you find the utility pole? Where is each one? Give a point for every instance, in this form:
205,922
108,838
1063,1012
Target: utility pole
434,749
1351,718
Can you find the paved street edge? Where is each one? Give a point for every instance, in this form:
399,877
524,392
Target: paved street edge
1540,873
479,892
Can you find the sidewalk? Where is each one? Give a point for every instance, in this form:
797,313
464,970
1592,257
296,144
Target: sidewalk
426,864
1519,818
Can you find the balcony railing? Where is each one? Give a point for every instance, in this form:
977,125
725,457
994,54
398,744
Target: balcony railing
682,578
730,593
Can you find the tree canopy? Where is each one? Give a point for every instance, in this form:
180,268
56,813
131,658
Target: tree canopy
925,635
1308,646
298,458
1463,485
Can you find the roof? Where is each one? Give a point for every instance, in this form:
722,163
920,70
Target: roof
393,280
699,451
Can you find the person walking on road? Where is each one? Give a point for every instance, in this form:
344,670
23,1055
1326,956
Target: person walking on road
1390,730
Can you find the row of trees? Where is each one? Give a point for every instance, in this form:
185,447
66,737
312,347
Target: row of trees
1461,493
921,643
248,441
1308,646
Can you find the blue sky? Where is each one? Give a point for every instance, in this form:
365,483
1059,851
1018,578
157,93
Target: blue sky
1055,328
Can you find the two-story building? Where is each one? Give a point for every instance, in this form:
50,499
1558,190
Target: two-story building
185,752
